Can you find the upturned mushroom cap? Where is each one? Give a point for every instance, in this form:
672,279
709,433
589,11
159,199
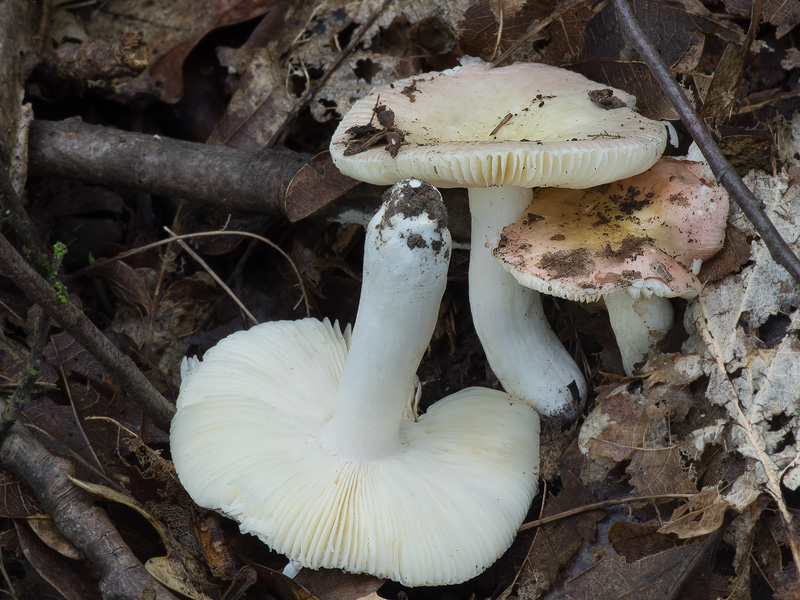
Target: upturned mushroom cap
276,427
643,233
525,125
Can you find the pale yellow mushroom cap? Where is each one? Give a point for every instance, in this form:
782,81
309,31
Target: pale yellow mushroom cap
525,125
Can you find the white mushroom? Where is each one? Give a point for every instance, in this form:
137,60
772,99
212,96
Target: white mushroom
302,434
501,132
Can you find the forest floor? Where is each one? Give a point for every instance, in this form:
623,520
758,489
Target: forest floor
129,127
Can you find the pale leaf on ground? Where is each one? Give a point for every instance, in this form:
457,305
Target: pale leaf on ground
748,323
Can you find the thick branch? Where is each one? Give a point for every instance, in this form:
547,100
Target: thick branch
122,576
17,56
723,171
124,371
226,177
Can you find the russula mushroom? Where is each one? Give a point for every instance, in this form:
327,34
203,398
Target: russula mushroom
500,132
303,434
634,243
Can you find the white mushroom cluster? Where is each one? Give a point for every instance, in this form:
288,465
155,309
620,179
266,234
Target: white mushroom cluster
306,434
501,132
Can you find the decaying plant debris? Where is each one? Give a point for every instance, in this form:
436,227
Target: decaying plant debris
678,482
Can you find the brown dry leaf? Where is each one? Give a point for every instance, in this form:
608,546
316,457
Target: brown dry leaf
70,578
314,186
111,495
723,91
733,256
46,530
275,584
171,575
258,108
678,30
620,425
61,433
701,515
128,284
331,584
556,543
489,28
161,332
720,98
635,541
638,421
660,471
181,570
788,587
172,30
388,49
195,541
784,14
63,351
673,29
651,578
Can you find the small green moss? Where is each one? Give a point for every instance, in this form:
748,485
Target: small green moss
60,250
61,291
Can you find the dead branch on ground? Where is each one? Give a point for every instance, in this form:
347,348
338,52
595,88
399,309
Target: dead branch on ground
228,178
122,575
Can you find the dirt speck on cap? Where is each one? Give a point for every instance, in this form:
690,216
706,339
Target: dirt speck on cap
568,263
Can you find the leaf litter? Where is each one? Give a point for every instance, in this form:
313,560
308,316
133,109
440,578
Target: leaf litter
718,422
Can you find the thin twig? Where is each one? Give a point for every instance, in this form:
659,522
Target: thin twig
42,260
598,505
15,214
214,276
187,236
726,175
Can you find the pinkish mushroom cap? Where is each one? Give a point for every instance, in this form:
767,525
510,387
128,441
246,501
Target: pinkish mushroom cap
645,233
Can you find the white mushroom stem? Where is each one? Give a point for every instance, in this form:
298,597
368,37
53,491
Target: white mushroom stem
405,273
638,323
521,347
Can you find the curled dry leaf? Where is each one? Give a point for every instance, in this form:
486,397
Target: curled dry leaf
701,515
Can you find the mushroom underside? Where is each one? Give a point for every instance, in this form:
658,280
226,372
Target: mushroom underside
439,511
